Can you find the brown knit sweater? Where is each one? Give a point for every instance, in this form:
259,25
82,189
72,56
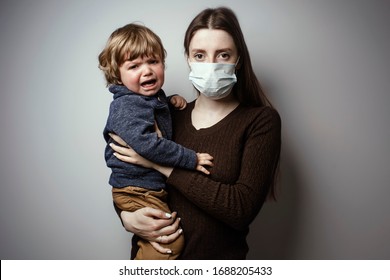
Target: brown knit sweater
216,210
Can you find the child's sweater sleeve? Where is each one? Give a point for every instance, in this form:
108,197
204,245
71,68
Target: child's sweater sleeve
132,119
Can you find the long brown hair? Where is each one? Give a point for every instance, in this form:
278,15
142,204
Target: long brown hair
247,90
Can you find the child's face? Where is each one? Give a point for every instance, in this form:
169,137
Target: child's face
143,75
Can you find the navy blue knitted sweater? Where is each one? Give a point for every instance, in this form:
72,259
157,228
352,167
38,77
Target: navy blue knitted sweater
132,117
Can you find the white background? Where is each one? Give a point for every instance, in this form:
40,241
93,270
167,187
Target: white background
325,65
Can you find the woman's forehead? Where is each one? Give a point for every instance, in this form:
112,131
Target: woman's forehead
212,39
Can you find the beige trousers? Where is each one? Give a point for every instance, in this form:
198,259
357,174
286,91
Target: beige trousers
134,198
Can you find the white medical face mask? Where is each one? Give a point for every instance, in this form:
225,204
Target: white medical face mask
214,80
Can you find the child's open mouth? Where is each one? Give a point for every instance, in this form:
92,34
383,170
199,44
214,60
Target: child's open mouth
149,83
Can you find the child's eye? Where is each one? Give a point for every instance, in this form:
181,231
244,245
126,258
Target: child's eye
153,61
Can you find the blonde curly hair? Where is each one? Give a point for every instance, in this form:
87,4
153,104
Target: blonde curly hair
127,43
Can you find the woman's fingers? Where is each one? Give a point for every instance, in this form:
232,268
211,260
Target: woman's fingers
125,154
118,140
166,226
122,150
170,231
160,248
163,224
158,214
165,239
125,158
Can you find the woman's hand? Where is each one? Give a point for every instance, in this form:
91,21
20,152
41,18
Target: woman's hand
153,225
127,154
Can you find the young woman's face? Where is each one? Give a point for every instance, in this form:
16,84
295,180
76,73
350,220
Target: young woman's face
212,46
143,75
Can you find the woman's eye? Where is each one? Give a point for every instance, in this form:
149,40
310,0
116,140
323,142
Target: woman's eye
225,55
198,56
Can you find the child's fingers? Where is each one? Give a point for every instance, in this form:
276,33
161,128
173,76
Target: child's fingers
202,169
204,156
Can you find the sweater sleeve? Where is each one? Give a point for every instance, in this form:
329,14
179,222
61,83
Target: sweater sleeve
132,118
238,203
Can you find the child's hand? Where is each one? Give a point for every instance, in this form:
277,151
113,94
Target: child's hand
204,159
178,102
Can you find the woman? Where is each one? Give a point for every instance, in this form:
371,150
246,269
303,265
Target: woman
233,121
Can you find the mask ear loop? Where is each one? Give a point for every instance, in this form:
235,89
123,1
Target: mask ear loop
238,59
235,65
189,63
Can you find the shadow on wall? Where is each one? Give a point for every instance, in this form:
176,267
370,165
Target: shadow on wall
273,232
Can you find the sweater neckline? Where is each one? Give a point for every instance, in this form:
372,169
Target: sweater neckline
207,130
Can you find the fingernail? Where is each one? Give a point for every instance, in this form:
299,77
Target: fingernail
180,231
168,215
169,252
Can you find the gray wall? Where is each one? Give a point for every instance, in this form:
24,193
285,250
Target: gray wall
326,67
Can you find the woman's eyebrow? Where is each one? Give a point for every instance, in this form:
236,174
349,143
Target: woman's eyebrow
217,51
225,50
197,50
